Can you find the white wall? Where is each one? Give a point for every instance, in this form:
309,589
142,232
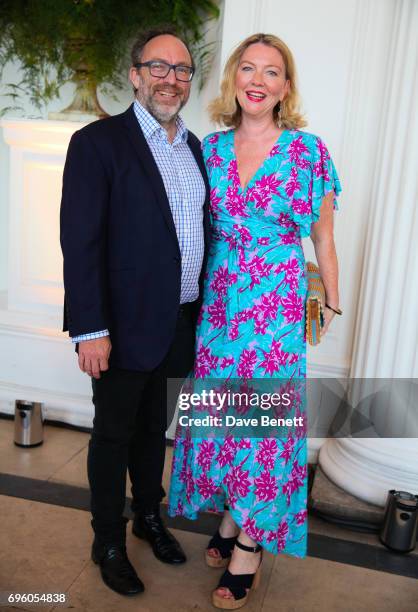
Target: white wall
194,115
342,54
37,360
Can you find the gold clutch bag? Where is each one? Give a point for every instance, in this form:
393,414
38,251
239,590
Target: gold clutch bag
315,304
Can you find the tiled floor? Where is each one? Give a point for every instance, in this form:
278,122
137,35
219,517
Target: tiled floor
61,458
45,548
60,447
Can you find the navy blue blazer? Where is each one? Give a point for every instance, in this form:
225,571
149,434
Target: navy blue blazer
122,264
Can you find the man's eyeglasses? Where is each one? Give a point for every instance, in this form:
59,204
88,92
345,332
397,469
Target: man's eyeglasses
161,70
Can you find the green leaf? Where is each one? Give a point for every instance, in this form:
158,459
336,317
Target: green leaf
51,38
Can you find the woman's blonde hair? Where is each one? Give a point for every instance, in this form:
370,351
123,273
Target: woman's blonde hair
225,109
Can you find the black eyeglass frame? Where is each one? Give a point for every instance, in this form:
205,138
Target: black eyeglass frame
169,67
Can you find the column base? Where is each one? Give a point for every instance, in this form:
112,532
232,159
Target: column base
330,501
368,468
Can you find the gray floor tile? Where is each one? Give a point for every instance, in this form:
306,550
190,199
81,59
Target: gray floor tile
315,585
60,446
38,549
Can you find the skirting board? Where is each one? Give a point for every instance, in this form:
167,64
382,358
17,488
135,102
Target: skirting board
327,370
77,409
68,408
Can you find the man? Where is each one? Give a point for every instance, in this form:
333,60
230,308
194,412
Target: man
133,233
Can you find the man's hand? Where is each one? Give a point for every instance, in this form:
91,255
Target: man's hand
93,356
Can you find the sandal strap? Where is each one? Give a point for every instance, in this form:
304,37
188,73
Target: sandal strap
253,549
236,583
224,545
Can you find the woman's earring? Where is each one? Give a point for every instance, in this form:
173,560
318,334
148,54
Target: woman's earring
279,113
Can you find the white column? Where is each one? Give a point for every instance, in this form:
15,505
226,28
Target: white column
386,333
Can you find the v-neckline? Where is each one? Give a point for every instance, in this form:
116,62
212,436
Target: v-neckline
234,152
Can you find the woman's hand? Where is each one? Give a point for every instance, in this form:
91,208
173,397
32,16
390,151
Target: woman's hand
328,316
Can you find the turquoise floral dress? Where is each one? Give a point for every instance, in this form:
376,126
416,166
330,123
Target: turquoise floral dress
252,326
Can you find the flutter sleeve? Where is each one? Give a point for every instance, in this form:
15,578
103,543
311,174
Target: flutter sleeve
323,179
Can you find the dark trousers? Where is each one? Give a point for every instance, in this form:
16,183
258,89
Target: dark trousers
129,427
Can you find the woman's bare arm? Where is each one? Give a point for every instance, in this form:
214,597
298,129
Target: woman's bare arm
322,236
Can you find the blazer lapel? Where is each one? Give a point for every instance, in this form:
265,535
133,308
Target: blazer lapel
146,158
197,153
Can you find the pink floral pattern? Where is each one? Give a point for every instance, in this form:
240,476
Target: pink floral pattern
247,363
251,326
265,487
266,452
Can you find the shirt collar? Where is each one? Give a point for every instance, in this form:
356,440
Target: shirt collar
151,127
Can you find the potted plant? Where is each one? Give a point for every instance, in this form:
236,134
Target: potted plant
86,42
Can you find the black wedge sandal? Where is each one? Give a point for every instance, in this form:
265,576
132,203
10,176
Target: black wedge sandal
240,585
225,546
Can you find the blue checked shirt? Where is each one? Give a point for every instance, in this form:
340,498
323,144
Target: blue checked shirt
185,190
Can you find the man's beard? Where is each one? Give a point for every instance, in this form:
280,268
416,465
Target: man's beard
161,112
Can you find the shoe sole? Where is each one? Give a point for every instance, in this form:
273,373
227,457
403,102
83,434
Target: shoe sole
236,604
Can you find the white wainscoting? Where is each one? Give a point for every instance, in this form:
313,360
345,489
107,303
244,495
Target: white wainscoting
37,361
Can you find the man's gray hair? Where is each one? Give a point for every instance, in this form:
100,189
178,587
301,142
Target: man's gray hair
148,35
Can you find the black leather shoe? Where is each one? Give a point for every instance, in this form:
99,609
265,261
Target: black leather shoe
116,569
150,527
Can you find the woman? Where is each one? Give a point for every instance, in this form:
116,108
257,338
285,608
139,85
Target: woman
271,185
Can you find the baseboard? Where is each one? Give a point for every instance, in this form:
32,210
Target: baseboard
327,369
74,409
77,409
